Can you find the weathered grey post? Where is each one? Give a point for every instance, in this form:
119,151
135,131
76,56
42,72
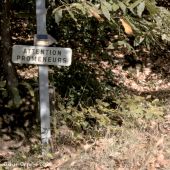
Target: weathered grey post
43,56
41,40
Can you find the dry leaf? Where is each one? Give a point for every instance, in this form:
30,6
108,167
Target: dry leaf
121,168
127,27
94,13
97,167
161,161
151,167
160,141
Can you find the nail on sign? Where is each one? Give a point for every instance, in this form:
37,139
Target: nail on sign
23,54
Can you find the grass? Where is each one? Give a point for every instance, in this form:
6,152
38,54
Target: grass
124,147
129,149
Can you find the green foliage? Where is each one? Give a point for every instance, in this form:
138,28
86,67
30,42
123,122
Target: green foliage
143,16
89,121
135,107
94,120
3,91
78,84
163,24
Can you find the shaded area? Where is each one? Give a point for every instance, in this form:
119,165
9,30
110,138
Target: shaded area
78,84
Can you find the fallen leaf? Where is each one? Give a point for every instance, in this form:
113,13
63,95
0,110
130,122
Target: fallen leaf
127,27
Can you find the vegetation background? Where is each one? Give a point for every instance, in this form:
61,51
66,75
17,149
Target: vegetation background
110,108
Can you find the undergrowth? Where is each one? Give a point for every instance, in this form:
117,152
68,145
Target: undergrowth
89,106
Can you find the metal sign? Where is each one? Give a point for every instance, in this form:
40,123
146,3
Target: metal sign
23,54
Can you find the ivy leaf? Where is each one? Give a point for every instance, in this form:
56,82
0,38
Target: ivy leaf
58,15
140,8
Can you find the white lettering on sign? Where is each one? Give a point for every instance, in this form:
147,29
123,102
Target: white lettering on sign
23,54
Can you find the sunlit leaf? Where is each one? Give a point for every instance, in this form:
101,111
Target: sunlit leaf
140,8
151,7
122,6
126,2
107,5
135,4
115,7
58,15
79,6
105,11
95,14
165,37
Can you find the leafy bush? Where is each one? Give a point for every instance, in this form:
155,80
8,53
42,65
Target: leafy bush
137,107
137,18
78,84
106,114
90,28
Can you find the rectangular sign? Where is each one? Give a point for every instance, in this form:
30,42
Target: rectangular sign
24,54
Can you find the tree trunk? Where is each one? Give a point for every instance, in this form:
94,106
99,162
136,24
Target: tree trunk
6,52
